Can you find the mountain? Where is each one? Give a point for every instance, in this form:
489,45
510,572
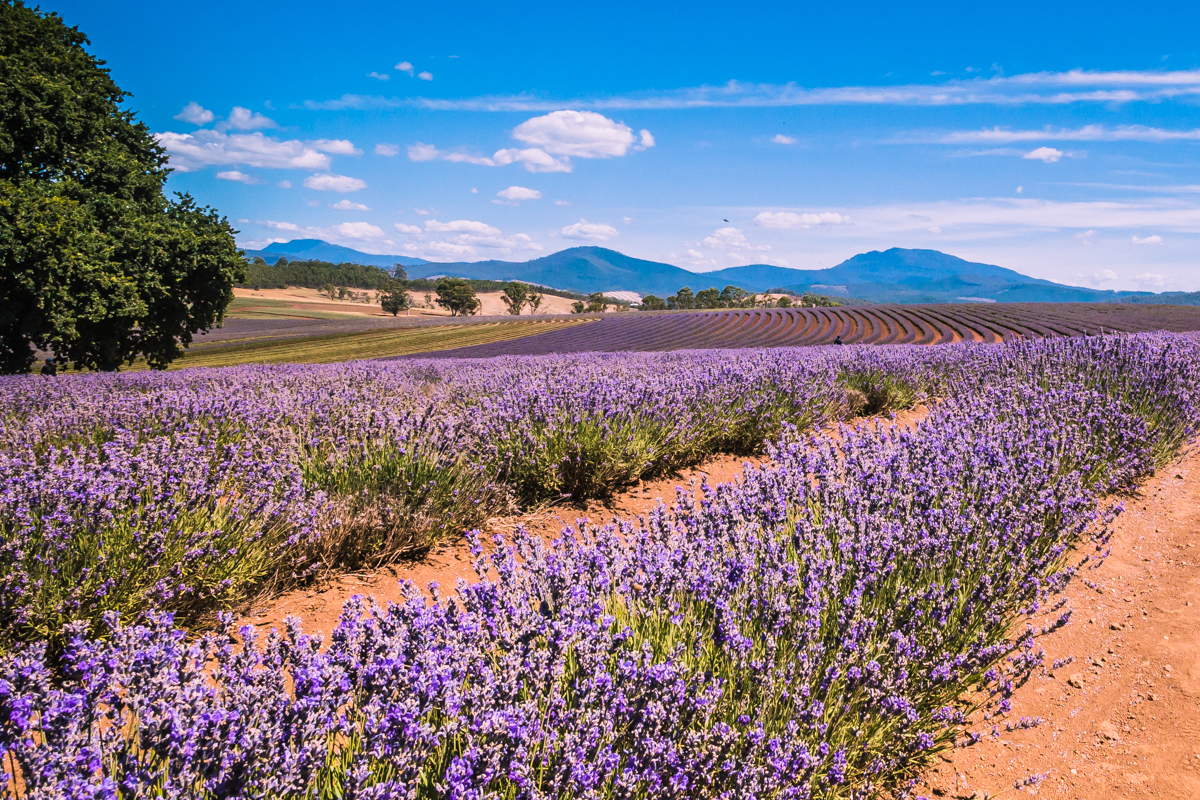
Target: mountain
318,250
888,276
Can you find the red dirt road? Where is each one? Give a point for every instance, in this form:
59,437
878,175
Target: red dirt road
1123,719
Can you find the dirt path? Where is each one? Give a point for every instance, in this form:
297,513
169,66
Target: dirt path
1122,720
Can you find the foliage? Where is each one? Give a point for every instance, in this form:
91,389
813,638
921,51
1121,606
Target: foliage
820,628
515,296
430,285
457,296
315,275
784,302
652,303
394,297
97,266
596,303
533,299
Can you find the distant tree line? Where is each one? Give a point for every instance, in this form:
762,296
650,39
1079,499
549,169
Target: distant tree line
316,275
732,297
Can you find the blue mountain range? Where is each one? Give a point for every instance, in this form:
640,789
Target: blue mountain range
889,276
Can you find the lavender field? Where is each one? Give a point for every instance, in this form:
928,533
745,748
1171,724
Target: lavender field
821,628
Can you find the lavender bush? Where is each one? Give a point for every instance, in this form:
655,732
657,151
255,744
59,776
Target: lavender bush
818,629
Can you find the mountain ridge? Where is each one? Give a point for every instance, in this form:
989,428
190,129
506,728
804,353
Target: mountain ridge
896,275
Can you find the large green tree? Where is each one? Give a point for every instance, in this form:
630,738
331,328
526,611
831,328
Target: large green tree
97,266
458,296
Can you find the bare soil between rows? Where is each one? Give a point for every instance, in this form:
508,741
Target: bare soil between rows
1121,719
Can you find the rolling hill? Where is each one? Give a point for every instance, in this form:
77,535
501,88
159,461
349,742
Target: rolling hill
889,276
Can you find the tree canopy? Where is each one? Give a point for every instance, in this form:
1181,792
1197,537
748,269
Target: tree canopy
97,266
317,275
457,296
515,296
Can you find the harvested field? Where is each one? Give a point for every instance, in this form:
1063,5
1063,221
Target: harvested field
796,327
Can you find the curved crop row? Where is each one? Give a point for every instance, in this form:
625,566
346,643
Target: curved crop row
884,324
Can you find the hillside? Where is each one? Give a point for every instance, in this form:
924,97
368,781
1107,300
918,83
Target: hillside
318,250
891,276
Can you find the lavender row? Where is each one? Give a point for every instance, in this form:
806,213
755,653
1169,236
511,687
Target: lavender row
814,630
189,491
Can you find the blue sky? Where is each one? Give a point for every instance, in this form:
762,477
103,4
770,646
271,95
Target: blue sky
1061,140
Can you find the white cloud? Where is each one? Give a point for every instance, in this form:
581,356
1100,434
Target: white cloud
1087,133
519,193
1104,276
1046,154
284,184
645,140
313,203
1086,237
425,76
194,151
1156,239
1020,189
788,219
195,113
404,66
562,202
411,230
379,76
421,211
627,220
1151,280
234,175
474,190
282,226
334,183
386,150
731,240
461,226
535,159
243,119
781,139
934,229
338,147
578,134
593,231
359,230
348,205
422,152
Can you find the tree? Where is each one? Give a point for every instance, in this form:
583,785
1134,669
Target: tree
733,297
685,299
533,300
578,307
515,295
456,295
784,302
394,298
652,303
597,303
97,266
708,298
400,273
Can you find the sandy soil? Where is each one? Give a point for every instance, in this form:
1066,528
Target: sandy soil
313,300
1121,718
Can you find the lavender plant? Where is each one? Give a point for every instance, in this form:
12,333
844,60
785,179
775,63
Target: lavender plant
816,629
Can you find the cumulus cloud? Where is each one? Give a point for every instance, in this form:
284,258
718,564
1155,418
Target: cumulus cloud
193,151
934,229
788,219
195,113
461,238
732,240
578,134
386,150
592,231
359,230
519,193
781,139
1156,239
554,140
338,147
422,152
1046,154
379,76
1086,237
348,205
1103,276
404,66
425,76
329,182
243,119
234,175
1151,280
